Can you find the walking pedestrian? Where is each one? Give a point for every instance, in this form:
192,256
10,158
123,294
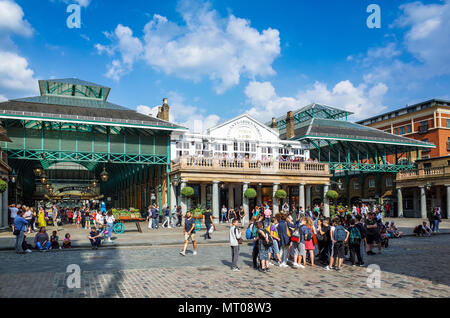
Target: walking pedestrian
235,240
110,219
208,221
189,233
354,243
223,214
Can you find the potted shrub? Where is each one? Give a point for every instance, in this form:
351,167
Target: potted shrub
333,195
250,193
187,192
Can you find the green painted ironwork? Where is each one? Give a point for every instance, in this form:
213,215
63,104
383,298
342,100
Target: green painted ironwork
367,167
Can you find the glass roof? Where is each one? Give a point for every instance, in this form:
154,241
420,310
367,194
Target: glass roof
71,101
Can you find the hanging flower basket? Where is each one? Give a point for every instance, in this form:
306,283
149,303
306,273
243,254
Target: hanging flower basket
187,192
280,194
3,186
333,195
250,193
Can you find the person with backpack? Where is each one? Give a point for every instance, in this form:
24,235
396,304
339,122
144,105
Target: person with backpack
274,249
264,244
235,240
354,243
254,236
20,226
189,233
284,233
339,236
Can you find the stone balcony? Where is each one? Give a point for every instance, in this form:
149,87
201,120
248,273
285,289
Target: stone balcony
249,167
435,172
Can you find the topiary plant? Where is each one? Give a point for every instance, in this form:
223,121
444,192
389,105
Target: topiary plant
3,186
187,192
280,194
250,193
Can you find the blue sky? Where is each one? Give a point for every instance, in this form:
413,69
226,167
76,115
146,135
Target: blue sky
217,59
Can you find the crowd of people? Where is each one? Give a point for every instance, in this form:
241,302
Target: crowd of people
25,220
299,237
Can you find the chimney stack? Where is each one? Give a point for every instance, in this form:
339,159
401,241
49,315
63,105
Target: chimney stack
290,125
273,125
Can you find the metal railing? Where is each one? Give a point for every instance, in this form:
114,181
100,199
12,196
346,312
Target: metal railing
424,173
248,166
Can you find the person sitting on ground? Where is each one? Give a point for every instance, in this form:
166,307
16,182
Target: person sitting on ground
396,233
95,237
54,241
67,243
422,230
42,240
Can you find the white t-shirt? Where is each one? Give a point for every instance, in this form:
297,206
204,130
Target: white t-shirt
100,218
28,215
110,219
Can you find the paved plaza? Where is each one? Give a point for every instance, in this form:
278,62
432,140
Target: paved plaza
410,267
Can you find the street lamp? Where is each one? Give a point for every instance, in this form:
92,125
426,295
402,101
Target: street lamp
38,169
94,183
428,185
338,183
13,176
44,178
104,175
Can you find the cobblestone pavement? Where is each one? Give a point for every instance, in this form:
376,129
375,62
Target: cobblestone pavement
411,267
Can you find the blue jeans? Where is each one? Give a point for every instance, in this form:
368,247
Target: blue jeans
155,222
110,229
208,227
39,245
435,226
267,221
224,217
96,242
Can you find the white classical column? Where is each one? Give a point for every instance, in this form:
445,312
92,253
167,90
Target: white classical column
326,204
4,208
423,203
173,197
203,194
301,196
275,199
215,201
183,198
230,196
399,202
308,197
259,197
448,199
244,199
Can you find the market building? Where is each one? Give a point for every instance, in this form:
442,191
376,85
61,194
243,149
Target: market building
243,153
71,144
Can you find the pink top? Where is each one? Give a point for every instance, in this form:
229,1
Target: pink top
267,213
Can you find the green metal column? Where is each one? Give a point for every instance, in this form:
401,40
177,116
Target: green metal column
159,189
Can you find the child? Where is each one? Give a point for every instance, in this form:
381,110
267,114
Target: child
66,242
54,241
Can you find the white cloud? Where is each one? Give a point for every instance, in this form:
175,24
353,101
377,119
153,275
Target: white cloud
184,114
426,40
11,19
207,45
362,100
16,74
3,98
83,3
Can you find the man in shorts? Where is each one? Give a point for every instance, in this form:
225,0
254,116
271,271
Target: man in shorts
189,233
373,233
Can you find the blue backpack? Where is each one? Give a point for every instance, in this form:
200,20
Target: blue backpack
249,234
339,233
308,234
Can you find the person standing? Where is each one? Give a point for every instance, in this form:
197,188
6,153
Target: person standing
373,233
223,214
12,215
242,215
294,213
235,238
166,212
174,216
339,237
179,215
436,219
28,216
284,233
110,219
41,218
189,233
20,225
155,217
267,215
207,220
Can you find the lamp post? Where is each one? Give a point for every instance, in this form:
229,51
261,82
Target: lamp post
104,175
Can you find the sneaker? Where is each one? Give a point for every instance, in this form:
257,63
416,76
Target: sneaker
28,251
327,268
296,265
283,265
301,266
266,270
195,253
270,264
182,253
236,269
361,264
